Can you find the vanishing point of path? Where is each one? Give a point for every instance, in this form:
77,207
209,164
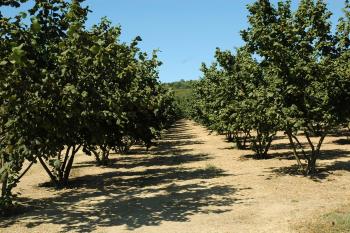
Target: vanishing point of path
191,181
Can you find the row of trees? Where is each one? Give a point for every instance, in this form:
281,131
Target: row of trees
292,74
65,88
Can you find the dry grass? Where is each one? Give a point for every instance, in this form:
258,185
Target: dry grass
337,221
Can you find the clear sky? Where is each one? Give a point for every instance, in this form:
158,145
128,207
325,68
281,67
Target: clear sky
185,31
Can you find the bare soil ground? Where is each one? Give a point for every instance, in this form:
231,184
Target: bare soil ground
192,181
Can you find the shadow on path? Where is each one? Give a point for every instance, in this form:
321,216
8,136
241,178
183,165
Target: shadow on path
162,191
322,171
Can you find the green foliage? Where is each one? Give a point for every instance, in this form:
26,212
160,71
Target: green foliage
232,98
298,82
183,93
181,85
64,88
301,57
26,98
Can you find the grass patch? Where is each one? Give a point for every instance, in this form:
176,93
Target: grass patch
334,222
183,93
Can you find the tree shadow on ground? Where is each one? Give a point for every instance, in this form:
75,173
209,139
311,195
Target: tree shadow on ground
133,199
323,171
168,146
169,151
342,141
288,155
234,147
340,132
162,191
179,132
287,146
170,160
325,154
283,146
129,162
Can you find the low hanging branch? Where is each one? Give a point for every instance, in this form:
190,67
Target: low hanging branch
26,170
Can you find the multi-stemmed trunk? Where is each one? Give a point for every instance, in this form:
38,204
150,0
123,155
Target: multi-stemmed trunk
310,157
125,144
60,175
237,137
229,136
241,142
101,156
261,143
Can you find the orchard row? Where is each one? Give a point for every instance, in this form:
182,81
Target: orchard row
291,75
66,88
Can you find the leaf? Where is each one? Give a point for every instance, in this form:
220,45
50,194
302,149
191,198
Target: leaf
2,63
100,42
3,169
23,14
36,27
9,149
95,49
57,164
84,94
17,54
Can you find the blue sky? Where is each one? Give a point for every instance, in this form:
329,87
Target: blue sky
185,31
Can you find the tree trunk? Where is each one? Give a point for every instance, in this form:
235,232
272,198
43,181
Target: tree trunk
4,188
68,168
63,165
229,136
315,153
262,143
268,145
311,166
4,184
52,177
105,155
239,144
246,135
289,134
64,181
102,156
97,157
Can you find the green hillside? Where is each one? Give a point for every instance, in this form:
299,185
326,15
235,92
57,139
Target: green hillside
183,91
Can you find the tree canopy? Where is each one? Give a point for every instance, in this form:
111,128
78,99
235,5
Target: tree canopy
65,87
292,74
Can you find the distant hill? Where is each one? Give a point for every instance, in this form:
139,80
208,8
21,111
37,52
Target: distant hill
182,88
182,84
183,94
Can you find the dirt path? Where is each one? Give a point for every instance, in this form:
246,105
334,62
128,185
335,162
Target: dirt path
190,182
